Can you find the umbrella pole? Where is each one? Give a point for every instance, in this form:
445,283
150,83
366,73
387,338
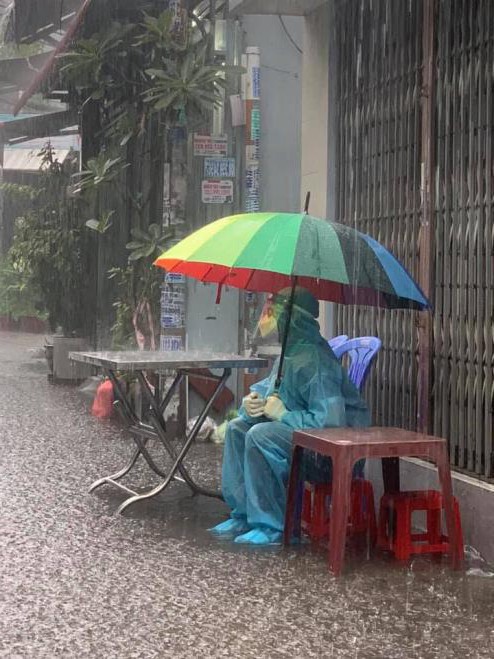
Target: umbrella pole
290,308
307,201
285,336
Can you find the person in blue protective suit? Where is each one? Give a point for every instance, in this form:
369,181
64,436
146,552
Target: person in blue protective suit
315,392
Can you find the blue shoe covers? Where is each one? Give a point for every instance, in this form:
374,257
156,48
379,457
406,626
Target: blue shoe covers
260,537
231,526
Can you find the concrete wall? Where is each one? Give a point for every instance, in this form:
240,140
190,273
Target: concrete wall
281,107
315,94
317,175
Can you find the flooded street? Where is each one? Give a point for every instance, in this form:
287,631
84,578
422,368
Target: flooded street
79,581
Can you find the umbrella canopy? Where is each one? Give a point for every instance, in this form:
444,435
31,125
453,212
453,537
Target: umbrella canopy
270,251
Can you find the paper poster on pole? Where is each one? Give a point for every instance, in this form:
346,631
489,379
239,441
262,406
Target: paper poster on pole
173,316
219,167
217,191
171,343
174,278
210,145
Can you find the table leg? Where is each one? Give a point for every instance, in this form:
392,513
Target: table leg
292,516
113,478
160,428
340,508
444,473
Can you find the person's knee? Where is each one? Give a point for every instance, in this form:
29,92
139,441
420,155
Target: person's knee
236,431
259,436
236,425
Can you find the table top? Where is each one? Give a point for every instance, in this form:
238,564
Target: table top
374,435
136,360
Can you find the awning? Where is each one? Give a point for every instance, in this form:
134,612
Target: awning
279,7
26,160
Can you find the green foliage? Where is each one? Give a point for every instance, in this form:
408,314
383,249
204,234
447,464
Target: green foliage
139,281
18,296
156,32
138,77
141,68
135,283
93,64
102,224
46,256
19,192
150,243
186,84
99,172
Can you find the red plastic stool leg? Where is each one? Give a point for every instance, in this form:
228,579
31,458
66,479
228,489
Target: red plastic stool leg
402,545
320,511
459,531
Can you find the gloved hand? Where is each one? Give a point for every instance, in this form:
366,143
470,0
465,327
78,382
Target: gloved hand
253,404
274,408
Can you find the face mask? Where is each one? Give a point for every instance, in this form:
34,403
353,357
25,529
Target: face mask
267,324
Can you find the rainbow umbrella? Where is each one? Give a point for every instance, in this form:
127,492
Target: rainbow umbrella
273,251
267,251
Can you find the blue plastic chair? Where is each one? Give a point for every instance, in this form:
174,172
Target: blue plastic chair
361,352
336,344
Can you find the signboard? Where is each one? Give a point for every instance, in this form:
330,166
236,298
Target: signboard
252,197
255,125
217,191
171,343
173,316
169,297
174,278
219,167
210,145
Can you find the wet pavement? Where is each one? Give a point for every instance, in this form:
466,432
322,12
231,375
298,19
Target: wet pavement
78,581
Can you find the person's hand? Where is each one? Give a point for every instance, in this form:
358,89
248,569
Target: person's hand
253,404
274,408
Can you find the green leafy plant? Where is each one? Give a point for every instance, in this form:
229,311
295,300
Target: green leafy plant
148,243
19,296
102,224
188,85
156,32
49,250
47,256
99,172
92,64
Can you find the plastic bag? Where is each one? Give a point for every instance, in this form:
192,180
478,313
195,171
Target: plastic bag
103,401
218,436
207,428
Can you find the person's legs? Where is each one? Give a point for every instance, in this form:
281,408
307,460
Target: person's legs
268,450
232,478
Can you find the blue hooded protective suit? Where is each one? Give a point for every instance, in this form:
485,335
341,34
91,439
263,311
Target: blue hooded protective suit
317,393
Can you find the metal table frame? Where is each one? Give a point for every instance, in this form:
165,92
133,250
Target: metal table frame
140,431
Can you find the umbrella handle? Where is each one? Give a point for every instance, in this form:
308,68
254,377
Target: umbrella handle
307,201
285,337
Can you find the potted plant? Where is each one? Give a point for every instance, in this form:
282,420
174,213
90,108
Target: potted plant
49,251
20,304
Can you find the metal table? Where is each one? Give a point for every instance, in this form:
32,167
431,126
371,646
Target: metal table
184,364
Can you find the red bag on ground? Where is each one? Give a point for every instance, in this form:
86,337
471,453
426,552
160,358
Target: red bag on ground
103,401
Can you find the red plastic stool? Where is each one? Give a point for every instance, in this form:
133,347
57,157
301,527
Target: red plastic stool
402,542
315,510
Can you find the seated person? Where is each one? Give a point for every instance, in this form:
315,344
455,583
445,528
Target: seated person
315,392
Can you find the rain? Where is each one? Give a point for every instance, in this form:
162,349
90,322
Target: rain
246,328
